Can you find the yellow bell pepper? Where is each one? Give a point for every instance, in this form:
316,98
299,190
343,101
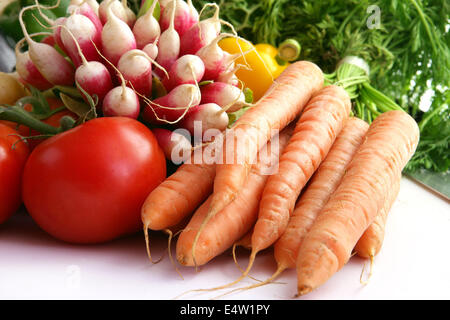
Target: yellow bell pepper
261,61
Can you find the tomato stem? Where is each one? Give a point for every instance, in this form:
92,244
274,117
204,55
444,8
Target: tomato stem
20,116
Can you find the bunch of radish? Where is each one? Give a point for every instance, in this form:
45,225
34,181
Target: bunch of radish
116,57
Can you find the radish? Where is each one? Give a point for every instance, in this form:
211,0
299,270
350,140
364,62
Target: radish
146,29
52,65
216,60
188,69
200,34
151,49
84,33
205,117
50,40
172,107
169,44
184,17
117,8
162,5
92,3
176,146
92,76
27,71
193,13
121,101
131,16
227,96
229,76
117,38
85,9
137,69
55,26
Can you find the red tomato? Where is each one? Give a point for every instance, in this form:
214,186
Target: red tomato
13,155
88,184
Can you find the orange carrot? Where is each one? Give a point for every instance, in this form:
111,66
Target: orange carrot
320,188
283,103
369,245
314,134
175,198
390,142
234,220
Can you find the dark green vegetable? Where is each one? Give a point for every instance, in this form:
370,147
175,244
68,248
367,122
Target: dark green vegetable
404,42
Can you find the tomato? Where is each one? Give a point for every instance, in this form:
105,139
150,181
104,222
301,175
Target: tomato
13,155
87,184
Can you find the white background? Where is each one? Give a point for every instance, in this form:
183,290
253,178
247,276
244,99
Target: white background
414,263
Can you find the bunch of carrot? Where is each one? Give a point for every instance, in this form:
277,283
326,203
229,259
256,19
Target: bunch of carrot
335,182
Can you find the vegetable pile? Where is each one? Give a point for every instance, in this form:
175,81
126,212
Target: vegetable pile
264,149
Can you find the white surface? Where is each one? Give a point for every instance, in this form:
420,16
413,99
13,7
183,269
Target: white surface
413,264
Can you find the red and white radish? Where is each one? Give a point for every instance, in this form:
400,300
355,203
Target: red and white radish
85,34
227,96
92,76
117,8
27,71
95,79
176,146
137,69
51,64
172,107
131,16
54,24
117,38
193,13
185,17
92,3
188,69
162,5
216,60
151,49
229,76
121,101
205,117
169,44
200,34
146,30
86,9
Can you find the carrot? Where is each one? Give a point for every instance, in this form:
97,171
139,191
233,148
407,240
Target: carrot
321,187
390,142
231,223
281,105
369,245
313,136
175,198
323,183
